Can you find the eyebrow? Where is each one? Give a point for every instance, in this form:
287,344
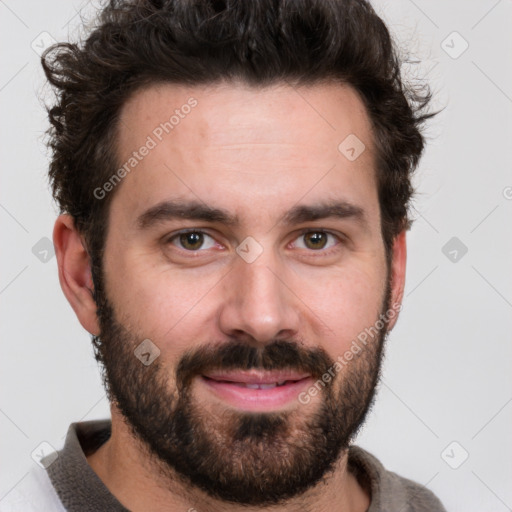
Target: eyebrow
195,210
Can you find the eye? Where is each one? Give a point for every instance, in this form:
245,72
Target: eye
317,240
195,240
192,240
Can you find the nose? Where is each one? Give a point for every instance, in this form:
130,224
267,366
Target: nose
259,305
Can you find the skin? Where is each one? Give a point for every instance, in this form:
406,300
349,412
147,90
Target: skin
256,153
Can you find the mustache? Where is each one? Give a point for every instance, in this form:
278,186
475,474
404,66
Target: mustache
236,355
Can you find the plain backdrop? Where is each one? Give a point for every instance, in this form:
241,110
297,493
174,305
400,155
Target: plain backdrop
444,407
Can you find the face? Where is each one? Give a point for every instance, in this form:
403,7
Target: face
246,247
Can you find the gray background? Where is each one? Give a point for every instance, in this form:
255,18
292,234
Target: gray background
446,393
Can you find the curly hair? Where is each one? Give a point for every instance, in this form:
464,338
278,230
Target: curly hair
136,43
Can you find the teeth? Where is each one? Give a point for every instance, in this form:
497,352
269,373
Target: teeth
261,386
258,386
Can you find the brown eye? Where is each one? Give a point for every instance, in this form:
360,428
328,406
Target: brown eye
315,240
192,240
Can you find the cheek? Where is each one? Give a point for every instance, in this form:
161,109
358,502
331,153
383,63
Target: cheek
177,307
167,306
346,304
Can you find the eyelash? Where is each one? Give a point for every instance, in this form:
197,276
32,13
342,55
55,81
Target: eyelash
322,252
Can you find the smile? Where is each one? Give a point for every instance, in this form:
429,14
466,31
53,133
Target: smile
256,391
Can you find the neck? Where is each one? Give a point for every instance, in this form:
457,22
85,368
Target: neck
135,479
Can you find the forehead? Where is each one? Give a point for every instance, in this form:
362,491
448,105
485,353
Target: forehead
229,142
267,114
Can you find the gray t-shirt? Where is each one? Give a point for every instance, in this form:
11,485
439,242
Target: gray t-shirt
81,490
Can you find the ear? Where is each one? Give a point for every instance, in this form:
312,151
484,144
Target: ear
398,268
75,272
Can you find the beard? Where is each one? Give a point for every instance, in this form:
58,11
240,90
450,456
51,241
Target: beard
248,458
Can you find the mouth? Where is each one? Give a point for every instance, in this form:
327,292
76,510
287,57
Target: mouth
256,390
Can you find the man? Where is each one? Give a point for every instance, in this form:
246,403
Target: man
233,181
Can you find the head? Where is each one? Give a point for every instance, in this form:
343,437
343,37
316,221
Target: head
282,139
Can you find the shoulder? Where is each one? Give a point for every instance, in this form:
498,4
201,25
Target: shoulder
33,493
390,491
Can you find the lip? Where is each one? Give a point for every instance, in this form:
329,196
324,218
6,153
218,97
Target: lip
256,376
230,388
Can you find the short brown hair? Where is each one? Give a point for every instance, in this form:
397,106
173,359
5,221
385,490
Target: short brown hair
302,42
